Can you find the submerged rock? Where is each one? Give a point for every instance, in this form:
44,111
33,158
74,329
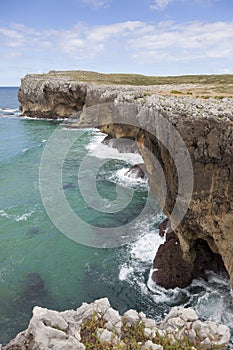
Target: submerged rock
33,293
70,330
33,231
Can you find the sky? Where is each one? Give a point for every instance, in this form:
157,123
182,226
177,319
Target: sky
151,37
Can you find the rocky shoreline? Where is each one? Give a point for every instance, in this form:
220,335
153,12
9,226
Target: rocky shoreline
205,127
203,238
99,326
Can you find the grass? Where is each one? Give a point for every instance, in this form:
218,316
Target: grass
202,85
132,337
139,79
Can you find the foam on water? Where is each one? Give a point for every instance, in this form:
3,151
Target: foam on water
142,250
210,298
8,110
21,217
124,178
24,217
99,150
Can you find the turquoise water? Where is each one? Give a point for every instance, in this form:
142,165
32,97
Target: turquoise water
41,266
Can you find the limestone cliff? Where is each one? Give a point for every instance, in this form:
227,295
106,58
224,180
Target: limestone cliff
96,324
200,158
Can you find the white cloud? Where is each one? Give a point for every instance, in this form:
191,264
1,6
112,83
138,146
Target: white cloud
189,41
95,4
128,44
160,4
11,55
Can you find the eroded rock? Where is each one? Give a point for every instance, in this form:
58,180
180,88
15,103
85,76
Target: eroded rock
50,329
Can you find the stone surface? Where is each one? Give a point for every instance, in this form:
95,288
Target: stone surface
50,329
131,316
149,345
137,171
204,125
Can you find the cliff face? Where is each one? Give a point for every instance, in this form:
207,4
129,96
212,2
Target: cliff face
186,144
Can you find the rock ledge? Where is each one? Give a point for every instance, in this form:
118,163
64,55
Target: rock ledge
68,330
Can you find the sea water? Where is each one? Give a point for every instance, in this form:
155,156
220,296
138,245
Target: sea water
39,265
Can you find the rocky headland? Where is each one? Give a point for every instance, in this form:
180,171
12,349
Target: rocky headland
187,145
99,326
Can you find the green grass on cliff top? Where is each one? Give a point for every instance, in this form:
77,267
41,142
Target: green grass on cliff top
138,79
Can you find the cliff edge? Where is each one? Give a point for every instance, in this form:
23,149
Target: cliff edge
187,147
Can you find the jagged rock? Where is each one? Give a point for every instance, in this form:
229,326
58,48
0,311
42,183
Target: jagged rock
123,145
163,227
186,323
113,320
149,345
105,336
137,171
131,316
177,274
66,330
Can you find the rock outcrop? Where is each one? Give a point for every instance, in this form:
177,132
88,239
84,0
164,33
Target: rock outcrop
186,144
94,324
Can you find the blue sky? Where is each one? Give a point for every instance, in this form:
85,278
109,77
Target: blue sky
152,37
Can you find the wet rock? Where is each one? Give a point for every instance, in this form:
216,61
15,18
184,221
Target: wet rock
163,227
181,272
123,145
137,171
167,275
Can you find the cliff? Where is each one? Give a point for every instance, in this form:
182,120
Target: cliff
187,147
98,326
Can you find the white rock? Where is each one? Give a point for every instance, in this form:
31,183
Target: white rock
149,323
197,325
105,335
131,316
112,316
84,312
68,344
207,343
175,323
186,314
142,316
101,305
148,332
213,328
149,345
116,328
224,332
49,318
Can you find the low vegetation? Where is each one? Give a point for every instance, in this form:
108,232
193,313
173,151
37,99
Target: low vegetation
203,85
139,79
133,338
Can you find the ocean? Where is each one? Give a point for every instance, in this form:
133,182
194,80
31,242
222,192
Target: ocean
39,265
